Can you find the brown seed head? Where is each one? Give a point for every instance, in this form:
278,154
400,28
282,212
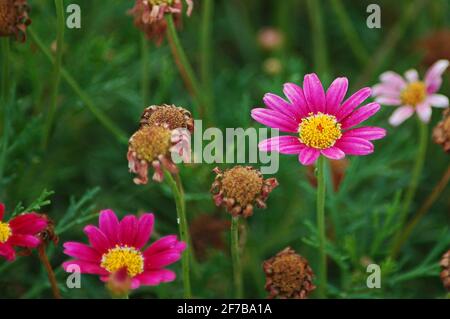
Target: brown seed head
288,275
242,184
445,273
441,132
175,117
150,142
14,18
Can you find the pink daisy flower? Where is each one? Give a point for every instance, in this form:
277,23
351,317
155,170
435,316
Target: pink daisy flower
118,247
20,231
322,123
411,93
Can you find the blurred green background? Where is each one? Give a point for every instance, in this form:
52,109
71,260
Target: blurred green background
85,166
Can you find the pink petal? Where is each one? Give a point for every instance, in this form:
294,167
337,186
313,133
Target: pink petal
278,104
333,153
360,115
335,94
128,230
29,223
308,156
393,79
412,76
7,252
387,100
275,119
352,102
367,132
433,77
81,251
281,144
162,259
85,267
438,100
97,239
155,277
29,241
2,211
424,112
385,90
162,244
314,93
109,225
354,146
295,94
145,228
401,114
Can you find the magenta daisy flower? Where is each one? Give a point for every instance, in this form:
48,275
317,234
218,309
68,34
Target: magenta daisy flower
411,93
117,247
20,231
322,123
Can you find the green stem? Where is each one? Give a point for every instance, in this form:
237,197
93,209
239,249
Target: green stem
412,188
322,287
184,67
145,81
180,204
59,6
84,97
235,256
206,49
5,102
319,41
350,33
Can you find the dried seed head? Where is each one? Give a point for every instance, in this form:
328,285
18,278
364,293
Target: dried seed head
208,232
150,145
175,117
445,273
441,132
240,188
48,234
288,275
149,16
14,19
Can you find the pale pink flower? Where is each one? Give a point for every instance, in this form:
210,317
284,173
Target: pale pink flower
323,124
412,94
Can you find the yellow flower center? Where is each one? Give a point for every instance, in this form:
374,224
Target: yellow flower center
5,232
150,142
319,130
123,257
413,93
160,2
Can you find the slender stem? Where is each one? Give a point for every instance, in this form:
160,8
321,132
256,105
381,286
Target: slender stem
319,42
180,204
412,188
5,102
235,256
321,227
437,190
50,273
184,67
56,70
145,81
345,22
206,49
101,117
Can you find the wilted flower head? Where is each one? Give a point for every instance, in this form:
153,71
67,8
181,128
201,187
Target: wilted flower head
270,38
116,252
240,188
20,231
174,116
322,123
412,94
445,273
441,133
436,46
207,232
149,16
288,276
14,18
